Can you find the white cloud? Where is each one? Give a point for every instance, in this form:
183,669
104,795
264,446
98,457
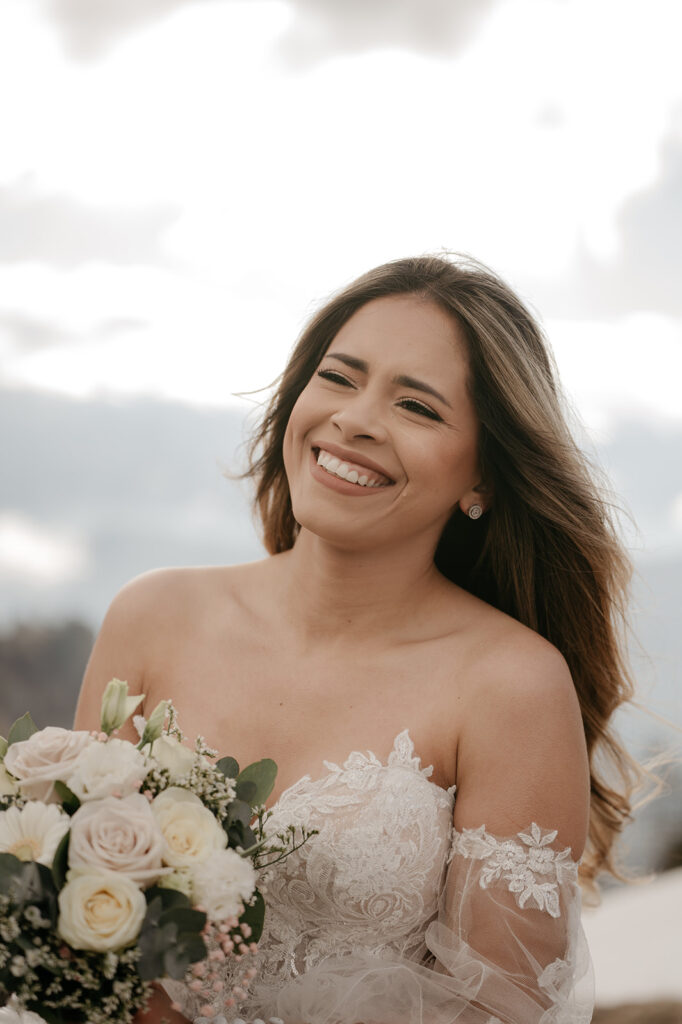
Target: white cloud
33,554
624,368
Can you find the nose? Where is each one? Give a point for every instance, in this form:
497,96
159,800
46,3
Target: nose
361,415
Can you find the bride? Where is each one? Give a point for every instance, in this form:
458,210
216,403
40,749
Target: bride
430,653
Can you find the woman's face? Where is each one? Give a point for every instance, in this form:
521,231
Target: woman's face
381,445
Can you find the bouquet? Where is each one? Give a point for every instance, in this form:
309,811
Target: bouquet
121,864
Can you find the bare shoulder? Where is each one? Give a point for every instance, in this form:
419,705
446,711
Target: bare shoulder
522,753
146,618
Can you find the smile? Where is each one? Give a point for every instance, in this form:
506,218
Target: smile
352,472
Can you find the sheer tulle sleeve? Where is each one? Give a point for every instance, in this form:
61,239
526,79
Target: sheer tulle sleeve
506,947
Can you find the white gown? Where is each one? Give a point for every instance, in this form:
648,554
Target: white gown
390,916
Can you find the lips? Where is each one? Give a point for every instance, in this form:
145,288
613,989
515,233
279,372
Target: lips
354,458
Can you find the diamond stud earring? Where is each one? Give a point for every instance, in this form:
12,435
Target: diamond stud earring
475,512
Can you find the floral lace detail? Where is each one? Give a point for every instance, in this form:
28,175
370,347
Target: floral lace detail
532,870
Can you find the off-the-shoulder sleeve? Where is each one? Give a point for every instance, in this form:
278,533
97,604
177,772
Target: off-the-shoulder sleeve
506,947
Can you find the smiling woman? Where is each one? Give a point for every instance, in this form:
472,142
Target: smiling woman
443,584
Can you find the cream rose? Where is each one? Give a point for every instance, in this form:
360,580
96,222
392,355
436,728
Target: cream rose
114,768
190,831
222,882
48,755
120,835
100,910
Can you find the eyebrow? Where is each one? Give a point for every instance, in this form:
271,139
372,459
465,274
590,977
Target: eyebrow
402,379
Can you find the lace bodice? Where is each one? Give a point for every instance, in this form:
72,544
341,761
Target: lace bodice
368,920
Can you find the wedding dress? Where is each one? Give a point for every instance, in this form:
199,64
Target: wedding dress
390,916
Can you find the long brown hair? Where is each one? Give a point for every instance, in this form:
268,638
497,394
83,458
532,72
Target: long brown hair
548,551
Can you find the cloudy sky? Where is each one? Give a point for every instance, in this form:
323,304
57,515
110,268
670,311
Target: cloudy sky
182,181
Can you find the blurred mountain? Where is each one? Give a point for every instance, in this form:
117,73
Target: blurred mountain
41,668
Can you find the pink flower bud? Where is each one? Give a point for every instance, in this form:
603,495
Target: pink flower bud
199,970
196,985
102,737
239,993
206,1010
245,929
218,985
253,946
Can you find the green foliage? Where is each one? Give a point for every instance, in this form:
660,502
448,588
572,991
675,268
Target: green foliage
254,915
228,766
60,861
28,883
170,938
3,747
22,729
70,801
263,773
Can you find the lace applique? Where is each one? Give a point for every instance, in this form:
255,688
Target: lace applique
531,869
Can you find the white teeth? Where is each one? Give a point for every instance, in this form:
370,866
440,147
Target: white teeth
343,470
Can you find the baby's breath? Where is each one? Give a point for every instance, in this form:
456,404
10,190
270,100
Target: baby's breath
101,987
215,790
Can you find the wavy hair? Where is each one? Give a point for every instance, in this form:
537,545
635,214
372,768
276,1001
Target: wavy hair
548,551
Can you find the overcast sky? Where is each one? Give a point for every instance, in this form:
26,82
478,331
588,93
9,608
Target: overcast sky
182,181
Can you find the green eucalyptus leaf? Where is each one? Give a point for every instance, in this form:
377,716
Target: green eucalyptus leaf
153,944
192,946
254,915
22,729
186,919
3,747
168,897
228,766
10,869
263,773
60,861
240,811
175,963
70,802
246,790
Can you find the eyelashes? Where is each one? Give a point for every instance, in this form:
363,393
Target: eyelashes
410,404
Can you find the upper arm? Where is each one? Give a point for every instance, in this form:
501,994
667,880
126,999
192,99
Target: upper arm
122,648
522,755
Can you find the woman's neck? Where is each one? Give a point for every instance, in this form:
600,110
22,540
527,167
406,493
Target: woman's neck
326,591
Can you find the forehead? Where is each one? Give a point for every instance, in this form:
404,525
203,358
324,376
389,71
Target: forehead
405,334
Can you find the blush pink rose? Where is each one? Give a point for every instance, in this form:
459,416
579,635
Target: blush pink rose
120,835
45,757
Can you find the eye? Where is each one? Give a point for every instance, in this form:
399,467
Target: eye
335,377
412,405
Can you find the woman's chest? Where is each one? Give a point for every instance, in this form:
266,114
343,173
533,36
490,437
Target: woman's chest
250,699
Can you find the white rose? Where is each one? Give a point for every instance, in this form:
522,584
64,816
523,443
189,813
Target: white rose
46,756
100,910
120,835
114,768
222,883
191,832
169,753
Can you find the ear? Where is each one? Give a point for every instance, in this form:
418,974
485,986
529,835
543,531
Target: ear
480,494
